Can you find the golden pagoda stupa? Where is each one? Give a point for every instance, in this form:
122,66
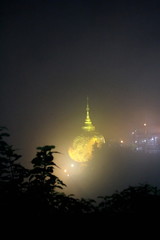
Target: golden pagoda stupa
84,144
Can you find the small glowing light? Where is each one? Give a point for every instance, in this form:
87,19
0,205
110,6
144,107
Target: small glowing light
122,141
145,124
65,170
72,165
67,175
132,133
135,141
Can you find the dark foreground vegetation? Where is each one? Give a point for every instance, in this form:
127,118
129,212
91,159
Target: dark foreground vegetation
34,192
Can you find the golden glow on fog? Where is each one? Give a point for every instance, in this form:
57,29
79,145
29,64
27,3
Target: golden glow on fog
83,145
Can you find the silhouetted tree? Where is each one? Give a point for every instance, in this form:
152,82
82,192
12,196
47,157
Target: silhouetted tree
141,201
42,181
45,200
69,205
12,175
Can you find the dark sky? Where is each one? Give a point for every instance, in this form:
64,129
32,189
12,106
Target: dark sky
56,53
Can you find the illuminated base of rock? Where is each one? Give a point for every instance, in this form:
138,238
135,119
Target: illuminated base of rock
84,145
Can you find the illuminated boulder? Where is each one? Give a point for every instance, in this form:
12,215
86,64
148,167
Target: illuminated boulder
84,144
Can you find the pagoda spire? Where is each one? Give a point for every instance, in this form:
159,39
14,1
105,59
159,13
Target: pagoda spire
88,126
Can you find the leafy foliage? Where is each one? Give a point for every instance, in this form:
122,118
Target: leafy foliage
12,174
43,168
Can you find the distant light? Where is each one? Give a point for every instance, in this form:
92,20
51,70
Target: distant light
122,141
67,175
72,165
145,124
132,133
65,170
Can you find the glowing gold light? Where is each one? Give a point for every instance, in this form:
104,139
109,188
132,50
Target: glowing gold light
83,145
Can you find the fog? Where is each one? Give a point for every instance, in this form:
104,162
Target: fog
56,53
111,169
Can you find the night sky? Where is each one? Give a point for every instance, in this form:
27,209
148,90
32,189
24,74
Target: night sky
56,53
